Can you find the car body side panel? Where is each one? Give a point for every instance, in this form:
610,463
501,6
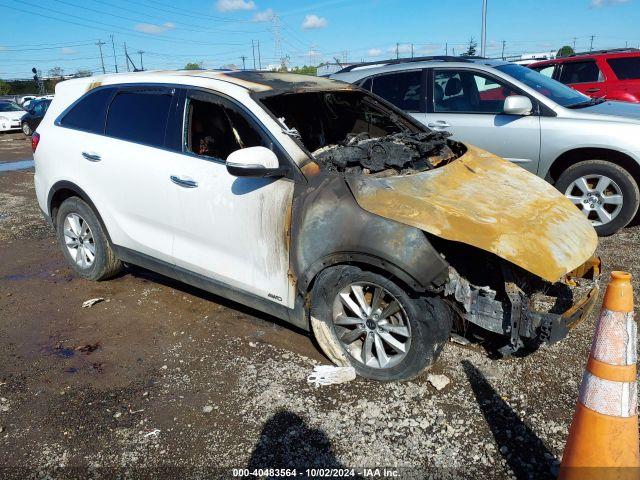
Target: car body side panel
523,219
328,227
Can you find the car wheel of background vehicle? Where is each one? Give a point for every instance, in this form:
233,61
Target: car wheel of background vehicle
363,319
83,241
26,129
606,193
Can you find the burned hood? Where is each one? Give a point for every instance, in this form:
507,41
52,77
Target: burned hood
489,203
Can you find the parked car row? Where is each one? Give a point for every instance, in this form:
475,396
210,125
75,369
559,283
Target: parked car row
15,117
588,148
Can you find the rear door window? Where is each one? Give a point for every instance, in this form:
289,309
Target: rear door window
403,89
580,72
140,116
90,111
625,68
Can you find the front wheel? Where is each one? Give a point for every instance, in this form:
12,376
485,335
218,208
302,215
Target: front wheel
365,320
606,193
26,129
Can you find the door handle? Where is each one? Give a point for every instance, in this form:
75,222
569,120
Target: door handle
439,124
92,157
592,90
182,182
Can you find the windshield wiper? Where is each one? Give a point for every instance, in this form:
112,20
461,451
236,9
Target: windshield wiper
586,103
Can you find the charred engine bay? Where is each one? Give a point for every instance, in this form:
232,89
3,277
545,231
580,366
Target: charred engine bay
399,153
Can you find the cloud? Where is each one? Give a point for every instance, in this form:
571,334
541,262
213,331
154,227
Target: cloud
68,51
375,52
234,5
154,29
264,16
606,3
2,48
313,21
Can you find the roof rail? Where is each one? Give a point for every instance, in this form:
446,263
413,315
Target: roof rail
396,61
608,50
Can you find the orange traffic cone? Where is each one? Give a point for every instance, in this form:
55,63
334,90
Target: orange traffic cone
603,438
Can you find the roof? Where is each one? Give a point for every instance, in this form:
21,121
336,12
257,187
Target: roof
615,52
253,80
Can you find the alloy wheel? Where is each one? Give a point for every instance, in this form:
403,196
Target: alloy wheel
79,240
597,196
371,325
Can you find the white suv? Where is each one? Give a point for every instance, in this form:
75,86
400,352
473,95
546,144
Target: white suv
313,201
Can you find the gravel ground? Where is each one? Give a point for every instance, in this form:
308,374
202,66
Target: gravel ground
160,379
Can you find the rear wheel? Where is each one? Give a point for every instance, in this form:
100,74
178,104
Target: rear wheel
83,241
363,319
26,129
606,193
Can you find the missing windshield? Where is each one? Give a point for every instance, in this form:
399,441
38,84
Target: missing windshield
351,132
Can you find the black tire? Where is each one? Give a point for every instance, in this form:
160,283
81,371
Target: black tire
105,264
26,129
430,320
623,179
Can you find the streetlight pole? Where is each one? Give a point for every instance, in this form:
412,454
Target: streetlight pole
483,40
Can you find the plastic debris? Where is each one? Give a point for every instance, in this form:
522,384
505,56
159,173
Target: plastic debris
207,409
330,375
152,433
91,302
438,381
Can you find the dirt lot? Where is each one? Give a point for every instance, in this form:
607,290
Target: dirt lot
161,379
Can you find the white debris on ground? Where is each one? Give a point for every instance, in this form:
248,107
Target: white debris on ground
331,375
438,381
91,302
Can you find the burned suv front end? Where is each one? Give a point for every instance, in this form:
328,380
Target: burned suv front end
508,252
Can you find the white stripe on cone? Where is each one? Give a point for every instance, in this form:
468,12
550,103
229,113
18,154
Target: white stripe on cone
617,399
615,340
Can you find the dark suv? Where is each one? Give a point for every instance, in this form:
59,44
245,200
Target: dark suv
611,74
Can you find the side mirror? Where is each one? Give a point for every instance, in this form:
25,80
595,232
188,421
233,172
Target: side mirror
517,105
254,162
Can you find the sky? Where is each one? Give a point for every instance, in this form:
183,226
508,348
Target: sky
219,33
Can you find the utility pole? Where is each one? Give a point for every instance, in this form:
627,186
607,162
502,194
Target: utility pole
99,44
259,57
397,51
113,46
574,43
503,44
141,65
483,40
243,57
277,45
253,53
446,49
126,56
412,50
591,44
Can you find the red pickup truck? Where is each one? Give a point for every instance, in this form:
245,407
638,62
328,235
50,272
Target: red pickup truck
610,74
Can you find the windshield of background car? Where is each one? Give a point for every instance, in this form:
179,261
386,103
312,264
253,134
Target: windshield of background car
556,91
9,107
324,118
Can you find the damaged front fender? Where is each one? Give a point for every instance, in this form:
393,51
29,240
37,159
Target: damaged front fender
489,203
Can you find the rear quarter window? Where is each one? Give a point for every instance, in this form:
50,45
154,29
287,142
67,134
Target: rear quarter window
89,112
139,116
625,68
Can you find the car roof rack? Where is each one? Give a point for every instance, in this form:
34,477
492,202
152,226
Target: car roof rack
607,50
397,61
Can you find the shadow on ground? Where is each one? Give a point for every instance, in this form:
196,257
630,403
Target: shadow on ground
525,453
287,442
